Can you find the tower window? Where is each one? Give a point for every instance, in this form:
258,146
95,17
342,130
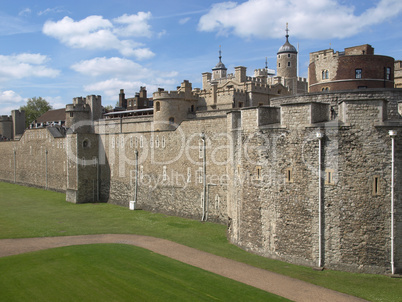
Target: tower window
279,64
325,74
171,120
358,73
288,55
288,64
157,106
388,73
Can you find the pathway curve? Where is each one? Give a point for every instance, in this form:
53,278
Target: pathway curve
287,287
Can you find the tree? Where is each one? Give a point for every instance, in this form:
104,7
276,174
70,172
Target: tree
34,108
109,108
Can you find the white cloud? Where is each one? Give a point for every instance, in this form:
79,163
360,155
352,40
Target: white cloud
122,74
134,25
10,100
54,10
25,12
109,66
56,102
25,65
123,68
95,32
184,20
307,18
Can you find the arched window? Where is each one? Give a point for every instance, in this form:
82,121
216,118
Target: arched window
157,106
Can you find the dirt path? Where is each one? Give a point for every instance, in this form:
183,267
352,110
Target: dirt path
287,287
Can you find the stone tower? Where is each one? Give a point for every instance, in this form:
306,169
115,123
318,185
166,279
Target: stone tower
219,71
287,64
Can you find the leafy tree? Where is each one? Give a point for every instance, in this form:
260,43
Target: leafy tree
109,108
34,108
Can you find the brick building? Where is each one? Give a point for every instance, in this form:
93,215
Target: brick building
354,68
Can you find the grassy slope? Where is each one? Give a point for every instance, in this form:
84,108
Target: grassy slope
29,212
114,272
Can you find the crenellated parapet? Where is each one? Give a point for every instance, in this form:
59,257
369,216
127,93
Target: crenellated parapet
82,112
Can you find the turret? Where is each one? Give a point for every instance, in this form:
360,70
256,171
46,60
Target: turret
171,108
82,112
219,71
287,64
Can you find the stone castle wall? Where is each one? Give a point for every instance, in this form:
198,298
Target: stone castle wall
261,177
37,159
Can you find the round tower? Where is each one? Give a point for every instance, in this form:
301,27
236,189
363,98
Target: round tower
287,59
171,108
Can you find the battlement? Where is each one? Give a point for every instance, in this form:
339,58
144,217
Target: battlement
183,92
77,107
4,118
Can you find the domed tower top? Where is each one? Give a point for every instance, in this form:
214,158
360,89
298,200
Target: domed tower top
219,71
287,47
287,64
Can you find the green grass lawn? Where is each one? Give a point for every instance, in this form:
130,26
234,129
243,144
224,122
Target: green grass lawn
114,272
30,212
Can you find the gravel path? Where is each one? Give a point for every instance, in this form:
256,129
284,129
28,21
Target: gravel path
287,287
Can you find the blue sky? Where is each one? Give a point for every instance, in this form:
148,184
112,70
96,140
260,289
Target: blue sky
63,49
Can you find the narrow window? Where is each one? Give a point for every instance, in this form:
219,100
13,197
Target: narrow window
240,104
171,120
388,73
131,141
151,142
288,55
163,142
258,173
157,106
157,142
358,73
279,64
71,114
188,174
113,143
217,201
136,142
192,108
200,175
141,142
122,142
329,177
288,64
376,185
201,149
289,175
202,199
164,173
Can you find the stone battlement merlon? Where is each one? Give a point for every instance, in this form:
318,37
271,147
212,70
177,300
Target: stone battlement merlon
6,118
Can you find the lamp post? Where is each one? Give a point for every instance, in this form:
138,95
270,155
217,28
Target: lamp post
392,134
